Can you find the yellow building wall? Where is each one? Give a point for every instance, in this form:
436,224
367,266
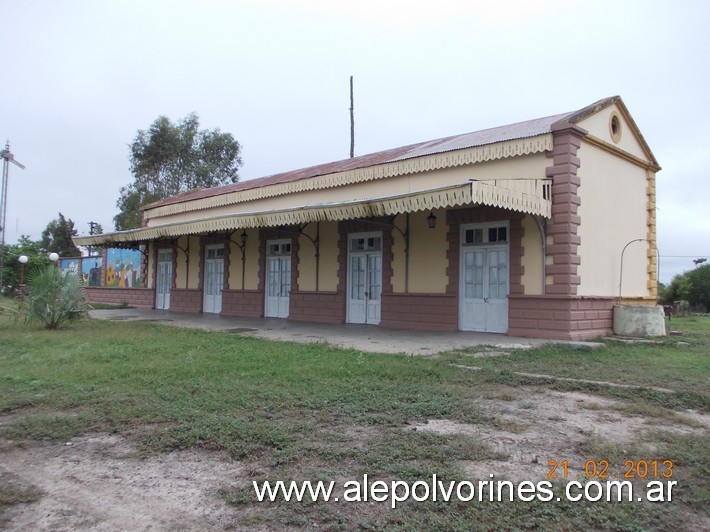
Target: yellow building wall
195,266
192,245
251,276
234,276
398,255
613,212
329,251
180,265
328,263
427,254
531,166
307,260
251,279
532,259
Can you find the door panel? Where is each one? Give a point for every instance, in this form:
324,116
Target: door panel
278,287
484,290
164,281
365,288
358,303
213,280
473,312
285,286
374,288
497,303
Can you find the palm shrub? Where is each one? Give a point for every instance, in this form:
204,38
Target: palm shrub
54,297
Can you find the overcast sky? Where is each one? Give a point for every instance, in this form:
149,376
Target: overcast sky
80,78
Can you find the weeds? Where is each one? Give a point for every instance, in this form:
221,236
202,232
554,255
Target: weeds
295,411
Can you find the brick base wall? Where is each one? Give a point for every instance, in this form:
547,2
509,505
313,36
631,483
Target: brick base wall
185,300
560,317
427,312
134,297
317,307
243,303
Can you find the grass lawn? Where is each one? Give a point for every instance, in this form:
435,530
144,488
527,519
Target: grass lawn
679,363
311,411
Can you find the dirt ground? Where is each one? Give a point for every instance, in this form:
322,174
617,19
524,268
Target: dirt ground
100,482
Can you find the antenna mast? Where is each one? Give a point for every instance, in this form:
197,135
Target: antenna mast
352,121
7,158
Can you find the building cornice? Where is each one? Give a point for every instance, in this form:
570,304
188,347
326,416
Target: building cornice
614,150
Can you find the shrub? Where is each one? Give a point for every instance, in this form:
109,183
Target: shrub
54,298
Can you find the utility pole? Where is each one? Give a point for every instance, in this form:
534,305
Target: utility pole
352,121
7,158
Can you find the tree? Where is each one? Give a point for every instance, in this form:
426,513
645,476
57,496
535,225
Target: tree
699,293
692,286
57,237
11,266
167,159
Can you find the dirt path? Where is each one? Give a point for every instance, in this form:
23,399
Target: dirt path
536,425
99,482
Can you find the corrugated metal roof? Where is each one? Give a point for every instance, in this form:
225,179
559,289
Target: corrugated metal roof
520,130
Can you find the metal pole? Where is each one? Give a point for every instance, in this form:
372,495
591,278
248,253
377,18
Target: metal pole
22,280
7,158
352,120
244,260
317,244
3,203
406,255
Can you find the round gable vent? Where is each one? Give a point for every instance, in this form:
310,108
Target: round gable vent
615,127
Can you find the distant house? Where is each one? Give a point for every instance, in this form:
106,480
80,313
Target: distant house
517,229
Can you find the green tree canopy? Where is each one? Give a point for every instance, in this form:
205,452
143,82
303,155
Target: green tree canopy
36,258
699,293
168,158
57,237
692,286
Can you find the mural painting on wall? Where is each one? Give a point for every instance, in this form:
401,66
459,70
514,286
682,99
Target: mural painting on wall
91,271
69,265
123,268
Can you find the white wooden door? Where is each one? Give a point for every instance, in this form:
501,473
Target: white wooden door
164,279
214,279
484,279
278,279
365,279
473,311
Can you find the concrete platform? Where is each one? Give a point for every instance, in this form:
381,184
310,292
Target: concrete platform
368,338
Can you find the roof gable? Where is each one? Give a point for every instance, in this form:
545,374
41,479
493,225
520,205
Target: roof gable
623,135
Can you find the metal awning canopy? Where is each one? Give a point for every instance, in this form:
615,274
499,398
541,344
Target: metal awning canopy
530,196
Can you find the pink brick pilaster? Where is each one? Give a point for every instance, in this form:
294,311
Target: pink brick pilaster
563,239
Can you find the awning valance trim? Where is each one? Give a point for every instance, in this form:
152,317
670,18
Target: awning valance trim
522,195
427,163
